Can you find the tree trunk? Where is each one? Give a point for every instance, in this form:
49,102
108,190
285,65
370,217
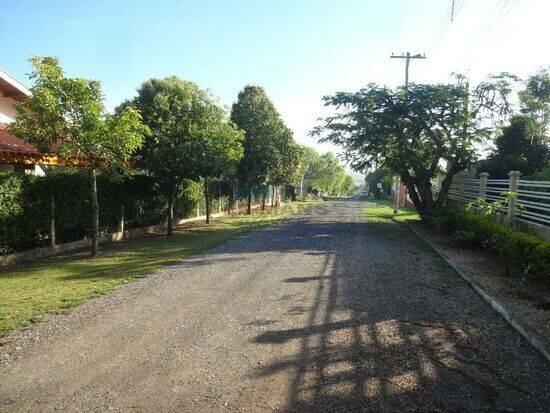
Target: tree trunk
52,222
170,230
421,195
302,186
230,201
219,197
249,201
293,197
264,196
95,212
447,181
278,196
207,201
272,195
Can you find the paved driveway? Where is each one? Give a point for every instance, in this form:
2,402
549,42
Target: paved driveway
322,312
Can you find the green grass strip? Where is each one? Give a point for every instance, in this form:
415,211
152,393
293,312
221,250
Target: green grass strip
29,292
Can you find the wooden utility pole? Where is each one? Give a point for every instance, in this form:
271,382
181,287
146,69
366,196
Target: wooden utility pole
407,56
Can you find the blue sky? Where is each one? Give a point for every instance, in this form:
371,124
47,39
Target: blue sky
298,50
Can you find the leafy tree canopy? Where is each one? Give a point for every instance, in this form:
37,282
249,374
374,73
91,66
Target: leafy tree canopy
66,116
191,136
256,115
414,132
535,99
518,148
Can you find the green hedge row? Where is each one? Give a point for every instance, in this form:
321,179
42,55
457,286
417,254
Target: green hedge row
521,253
25,205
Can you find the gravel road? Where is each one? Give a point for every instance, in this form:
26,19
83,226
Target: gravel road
321,312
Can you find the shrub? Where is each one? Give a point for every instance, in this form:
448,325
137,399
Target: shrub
462,238
25,204
520,252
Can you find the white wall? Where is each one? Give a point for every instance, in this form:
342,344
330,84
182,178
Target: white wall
7,110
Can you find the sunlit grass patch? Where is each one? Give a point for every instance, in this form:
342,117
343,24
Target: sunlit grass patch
53,286
381,210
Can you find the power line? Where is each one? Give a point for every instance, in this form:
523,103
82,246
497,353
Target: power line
448,18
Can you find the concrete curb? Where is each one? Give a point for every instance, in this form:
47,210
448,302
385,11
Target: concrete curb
539,343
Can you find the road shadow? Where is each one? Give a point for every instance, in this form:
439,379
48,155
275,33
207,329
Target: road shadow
384,335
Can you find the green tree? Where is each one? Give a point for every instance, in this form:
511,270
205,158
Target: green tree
414,132
256,115
328,175
67,116
221,152
379,175
285,160
519,147
535,100
348,186
191,137
306,168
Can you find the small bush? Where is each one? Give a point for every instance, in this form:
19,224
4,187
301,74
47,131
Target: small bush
462,238
439,221
25,204
520,253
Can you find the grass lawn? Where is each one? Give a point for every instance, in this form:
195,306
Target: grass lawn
381,210
53,286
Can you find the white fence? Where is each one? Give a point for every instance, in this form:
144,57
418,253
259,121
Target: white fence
527,203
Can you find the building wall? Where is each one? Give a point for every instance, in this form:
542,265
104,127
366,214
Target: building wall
7,110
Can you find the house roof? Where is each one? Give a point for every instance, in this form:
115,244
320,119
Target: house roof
15,151
12,149
13,88
11,144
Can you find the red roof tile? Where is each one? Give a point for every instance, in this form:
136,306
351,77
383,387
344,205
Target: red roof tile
10,144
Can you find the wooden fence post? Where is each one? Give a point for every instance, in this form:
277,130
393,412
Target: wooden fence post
461,192
513,190
121,226
219,197
483,184
52,222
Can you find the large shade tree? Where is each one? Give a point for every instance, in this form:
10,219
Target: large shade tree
191,138
523,143
255,114
416,132
327,176
66,116
286,157
221,152
535,100
306,168
519,147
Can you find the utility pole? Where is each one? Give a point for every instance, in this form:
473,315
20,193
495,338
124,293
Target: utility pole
407,56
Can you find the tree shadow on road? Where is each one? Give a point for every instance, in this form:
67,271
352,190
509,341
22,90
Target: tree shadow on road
376,339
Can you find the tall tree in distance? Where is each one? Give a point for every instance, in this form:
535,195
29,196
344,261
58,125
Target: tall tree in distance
286,157
191,137
307,167
519,147
66,116
256,115
535,100
221,152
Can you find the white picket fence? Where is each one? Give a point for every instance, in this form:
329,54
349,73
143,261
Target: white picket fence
528,209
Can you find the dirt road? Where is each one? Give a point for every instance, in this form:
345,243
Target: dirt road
322,312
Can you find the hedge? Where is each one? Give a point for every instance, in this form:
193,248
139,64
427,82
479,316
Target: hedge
521,253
